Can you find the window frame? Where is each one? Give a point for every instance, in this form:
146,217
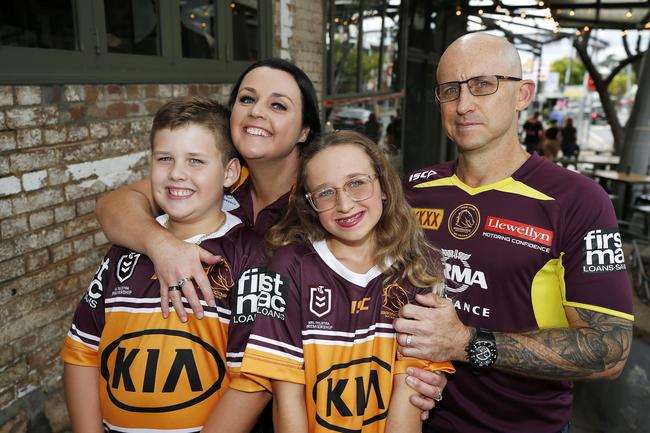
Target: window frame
93,64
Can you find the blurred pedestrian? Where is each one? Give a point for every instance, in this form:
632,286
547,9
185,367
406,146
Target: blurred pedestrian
534,131
551,146
372,128
569,143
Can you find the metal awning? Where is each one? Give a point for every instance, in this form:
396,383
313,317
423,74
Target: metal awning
601,14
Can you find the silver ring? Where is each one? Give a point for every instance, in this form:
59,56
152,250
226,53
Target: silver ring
408,340
439,396
173,288
182,282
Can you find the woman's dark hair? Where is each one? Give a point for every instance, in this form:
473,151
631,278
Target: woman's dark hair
310,112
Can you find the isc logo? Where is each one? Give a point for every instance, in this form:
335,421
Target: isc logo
173,369
422,175
353,394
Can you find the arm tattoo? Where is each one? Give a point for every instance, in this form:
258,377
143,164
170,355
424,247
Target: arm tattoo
580,352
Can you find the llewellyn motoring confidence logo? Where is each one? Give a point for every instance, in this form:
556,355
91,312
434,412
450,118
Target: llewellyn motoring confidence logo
603,251
464,221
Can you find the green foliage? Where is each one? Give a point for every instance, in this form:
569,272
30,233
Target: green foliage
619,84
577,69
345,55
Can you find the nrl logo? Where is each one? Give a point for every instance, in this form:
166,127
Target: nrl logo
320,300
126,265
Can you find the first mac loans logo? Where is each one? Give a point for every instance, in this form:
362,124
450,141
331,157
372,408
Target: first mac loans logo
259,291
603,251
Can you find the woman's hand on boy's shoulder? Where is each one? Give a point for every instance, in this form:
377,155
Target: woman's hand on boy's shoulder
176,261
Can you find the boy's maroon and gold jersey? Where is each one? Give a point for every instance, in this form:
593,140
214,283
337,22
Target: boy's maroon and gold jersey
515,254
160,374
324,326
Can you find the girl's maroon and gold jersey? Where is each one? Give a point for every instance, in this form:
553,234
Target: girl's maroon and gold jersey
324,326
160,374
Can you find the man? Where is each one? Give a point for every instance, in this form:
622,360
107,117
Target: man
537,293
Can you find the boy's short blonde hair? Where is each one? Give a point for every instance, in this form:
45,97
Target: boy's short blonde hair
197,110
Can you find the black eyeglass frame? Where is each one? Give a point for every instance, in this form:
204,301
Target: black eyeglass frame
436,89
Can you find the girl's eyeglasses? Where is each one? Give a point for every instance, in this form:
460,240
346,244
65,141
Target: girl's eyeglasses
358,188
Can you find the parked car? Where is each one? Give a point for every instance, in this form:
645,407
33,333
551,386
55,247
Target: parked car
598,115
351,118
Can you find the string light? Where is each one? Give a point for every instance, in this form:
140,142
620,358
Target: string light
480,11
458,11
232,5
192,16
647,25
336,20
572,12
540,4
578,33
498,9
624,33
523,14
585,29
628,14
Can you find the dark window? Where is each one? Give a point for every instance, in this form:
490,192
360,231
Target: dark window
198,29
132,27
38,24
245,25
346,45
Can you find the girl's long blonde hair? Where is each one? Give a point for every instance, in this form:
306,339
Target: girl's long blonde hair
398,233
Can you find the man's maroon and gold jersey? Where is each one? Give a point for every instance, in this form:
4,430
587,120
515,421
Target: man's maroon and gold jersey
515,254
160,374
324,326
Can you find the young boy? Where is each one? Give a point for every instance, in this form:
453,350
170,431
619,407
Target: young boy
127,368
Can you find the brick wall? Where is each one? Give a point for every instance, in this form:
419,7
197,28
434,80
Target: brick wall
61,146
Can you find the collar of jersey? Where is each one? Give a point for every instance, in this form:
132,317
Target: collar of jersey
334,264
243,177
499,185
231,221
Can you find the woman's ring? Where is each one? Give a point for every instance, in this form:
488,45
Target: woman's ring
408,340
173,288
182,282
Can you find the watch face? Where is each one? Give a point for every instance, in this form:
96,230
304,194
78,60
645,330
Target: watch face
483,353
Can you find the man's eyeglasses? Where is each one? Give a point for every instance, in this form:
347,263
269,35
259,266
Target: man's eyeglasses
478,86
358,188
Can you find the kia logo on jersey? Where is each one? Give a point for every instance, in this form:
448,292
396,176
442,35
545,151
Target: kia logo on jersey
345,392
160,370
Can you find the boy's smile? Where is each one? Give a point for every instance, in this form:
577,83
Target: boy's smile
188,177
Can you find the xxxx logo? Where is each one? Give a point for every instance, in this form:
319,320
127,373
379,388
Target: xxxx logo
430,219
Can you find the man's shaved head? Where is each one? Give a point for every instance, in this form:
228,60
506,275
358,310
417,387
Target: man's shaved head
482,48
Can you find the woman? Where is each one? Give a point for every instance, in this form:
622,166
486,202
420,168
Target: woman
274,113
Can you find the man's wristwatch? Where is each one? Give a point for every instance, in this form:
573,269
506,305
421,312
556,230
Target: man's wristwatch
482,349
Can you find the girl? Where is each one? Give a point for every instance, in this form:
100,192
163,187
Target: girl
348,254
